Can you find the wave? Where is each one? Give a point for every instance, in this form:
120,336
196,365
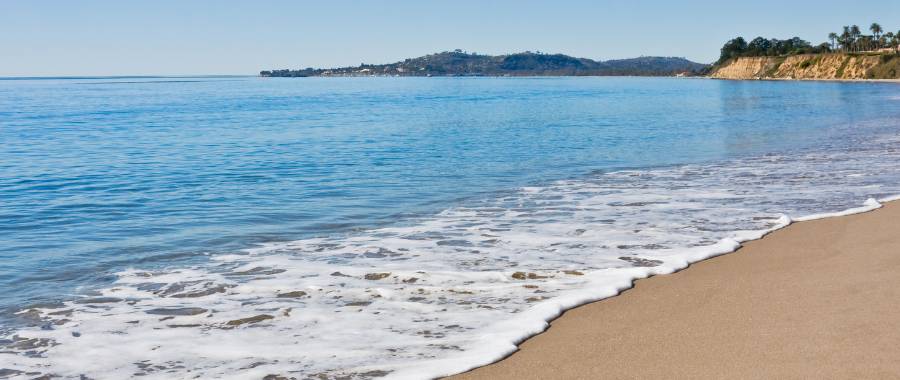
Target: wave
441,294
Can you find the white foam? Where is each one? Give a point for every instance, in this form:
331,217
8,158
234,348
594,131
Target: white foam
446,293
890,199
869,205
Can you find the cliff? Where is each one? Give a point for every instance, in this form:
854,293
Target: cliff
812,66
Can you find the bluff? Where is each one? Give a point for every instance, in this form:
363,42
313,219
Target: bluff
811,66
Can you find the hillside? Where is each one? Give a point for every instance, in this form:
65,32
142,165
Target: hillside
812,66
458,63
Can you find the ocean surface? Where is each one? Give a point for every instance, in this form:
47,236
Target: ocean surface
240,227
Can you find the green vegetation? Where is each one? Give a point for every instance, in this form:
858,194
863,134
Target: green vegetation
764,47
850,41
888,68
460,63
840,70
810,62
775,66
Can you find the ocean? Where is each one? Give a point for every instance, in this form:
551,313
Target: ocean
239,227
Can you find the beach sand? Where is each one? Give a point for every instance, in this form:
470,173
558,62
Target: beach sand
818,299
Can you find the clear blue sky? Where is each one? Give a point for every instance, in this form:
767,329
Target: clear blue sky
120,37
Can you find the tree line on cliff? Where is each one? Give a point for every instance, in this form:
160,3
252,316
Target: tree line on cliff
850,40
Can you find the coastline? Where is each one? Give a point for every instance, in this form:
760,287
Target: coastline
807,80
812,66
588,223
796,303
609,76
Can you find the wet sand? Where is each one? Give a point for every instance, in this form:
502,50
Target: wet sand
818,299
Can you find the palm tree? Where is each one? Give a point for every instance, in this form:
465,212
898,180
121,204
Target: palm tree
876,30
855,32
866,43
833,37
846,39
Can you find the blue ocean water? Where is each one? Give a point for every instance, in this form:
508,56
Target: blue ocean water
100,176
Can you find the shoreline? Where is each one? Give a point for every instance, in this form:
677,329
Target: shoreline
602,76
807,80
563,239
619,328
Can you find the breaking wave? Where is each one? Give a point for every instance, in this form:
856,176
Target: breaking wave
440,294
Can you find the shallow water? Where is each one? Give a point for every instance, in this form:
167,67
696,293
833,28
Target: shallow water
379,226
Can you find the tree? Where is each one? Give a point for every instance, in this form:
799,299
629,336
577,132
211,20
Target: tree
851,39
854,36
876,31
733,49
866,43
833,37
759,46
797,45
846,39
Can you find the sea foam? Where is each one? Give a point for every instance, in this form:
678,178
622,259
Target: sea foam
441,294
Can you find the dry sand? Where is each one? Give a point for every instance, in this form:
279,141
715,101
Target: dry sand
816,300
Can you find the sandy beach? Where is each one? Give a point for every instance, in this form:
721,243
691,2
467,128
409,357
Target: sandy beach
818,299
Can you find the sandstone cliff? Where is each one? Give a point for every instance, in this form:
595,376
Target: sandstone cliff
812,66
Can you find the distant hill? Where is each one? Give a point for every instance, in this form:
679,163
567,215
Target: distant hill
459,63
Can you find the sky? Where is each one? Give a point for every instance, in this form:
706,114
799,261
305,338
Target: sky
186,37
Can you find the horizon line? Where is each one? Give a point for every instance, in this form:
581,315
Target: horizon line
256,73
